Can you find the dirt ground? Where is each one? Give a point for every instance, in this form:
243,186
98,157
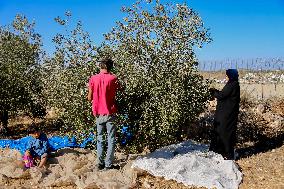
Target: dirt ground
263,170
262,165
260,170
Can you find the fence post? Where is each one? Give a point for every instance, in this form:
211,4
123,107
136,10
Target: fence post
262,96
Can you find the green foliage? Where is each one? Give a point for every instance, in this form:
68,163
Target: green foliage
20,55
154,51
67,75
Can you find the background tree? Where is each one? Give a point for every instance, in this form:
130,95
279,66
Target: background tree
20,56
154,50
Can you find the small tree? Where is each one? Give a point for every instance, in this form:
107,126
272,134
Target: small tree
20,56
154,51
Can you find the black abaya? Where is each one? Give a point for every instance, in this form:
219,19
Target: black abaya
225,119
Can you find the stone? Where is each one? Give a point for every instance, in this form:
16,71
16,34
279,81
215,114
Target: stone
260,109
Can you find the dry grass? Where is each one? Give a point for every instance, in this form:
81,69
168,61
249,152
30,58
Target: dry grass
262,164
263,170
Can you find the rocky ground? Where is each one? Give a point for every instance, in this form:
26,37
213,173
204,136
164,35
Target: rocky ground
260,147
263,170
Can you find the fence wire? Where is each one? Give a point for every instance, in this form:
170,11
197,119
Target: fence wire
260,78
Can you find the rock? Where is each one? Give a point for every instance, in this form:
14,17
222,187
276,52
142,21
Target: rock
3,179
120,156
260,109
146,184
270,117
276,124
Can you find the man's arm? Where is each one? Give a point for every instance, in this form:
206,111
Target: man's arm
90,92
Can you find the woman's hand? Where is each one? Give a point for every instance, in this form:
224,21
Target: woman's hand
212,91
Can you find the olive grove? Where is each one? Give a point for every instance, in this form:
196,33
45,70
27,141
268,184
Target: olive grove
20,70
153,50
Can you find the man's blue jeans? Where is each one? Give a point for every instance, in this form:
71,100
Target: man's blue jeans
105,122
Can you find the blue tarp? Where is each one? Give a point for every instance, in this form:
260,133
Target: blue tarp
126,135
55,143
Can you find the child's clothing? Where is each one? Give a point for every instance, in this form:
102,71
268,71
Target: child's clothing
38,147
28,160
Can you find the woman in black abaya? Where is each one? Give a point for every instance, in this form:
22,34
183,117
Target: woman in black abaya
226,116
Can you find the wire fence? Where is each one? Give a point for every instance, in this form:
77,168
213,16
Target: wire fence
260,78
257,64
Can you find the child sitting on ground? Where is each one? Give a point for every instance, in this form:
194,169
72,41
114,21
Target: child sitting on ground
37,148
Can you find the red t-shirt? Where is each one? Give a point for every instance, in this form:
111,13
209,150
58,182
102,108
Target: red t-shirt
104,86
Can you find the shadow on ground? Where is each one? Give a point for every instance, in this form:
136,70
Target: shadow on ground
263,145
18,130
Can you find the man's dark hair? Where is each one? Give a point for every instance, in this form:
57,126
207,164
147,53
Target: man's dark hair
106,64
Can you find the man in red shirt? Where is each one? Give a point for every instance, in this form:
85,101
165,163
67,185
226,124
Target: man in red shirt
102,92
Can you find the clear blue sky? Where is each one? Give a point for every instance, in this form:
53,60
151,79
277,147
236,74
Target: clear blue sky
239,28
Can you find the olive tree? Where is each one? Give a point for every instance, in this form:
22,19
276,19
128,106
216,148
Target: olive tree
153,47
66,77
20,56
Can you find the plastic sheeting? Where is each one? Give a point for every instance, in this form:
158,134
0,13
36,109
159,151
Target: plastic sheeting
191,163
58,142
127,136
55,143
76,166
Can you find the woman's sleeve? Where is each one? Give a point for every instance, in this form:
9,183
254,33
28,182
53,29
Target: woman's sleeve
226,91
